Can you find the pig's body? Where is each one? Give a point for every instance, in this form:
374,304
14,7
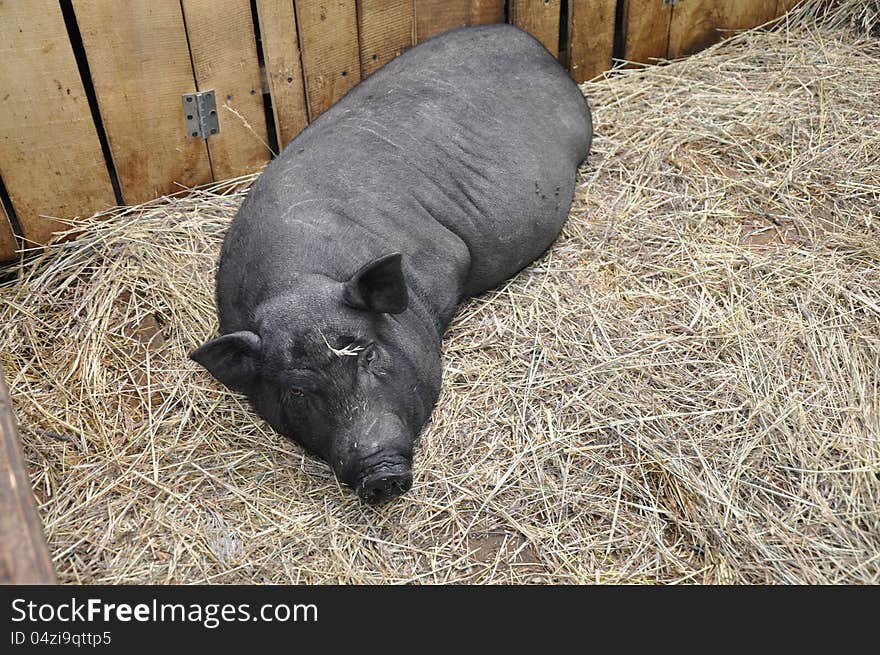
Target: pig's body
461,156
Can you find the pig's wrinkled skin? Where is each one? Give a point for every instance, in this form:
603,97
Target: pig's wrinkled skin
443,174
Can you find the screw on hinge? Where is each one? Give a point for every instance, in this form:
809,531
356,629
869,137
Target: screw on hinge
200,114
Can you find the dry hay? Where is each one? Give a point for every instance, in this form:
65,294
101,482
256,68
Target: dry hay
685,389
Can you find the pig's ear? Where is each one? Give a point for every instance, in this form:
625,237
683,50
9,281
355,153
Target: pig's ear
378,287
232,359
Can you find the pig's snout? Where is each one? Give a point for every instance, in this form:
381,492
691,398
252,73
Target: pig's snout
384,485
381,461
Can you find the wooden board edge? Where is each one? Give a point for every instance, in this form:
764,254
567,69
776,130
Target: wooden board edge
24,553
8,241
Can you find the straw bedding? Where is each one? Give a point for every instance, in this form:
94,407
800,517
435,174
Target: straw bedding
686,388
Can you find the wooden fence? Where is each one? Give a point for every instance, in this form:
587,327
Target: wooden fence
90,90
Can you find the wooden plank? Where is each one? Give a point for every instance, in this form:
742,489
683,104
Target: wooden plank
590,37
283,68
782,6
540,18
697,25
330,52
50,156
487,11
140,65
436,16
8,243
402,23
223,47
24,556
385,28
646,30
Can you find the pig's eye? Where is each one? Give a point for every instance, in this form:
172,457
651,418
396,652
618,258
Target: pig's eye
295,392
370,359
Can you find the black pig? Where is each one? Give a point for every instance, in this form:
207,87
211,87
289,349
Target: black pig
443,174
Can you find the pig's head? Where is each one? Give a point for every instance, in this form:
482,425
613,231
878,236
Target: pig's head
335,366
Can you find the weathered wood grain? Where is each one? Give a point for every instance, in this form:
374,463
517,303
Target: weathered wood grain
484,12
50,156
783,6
590,37
436,16
697,25
8,244
24,556
646,30
140,65
330,52
385,29
223,47
281,57
540,18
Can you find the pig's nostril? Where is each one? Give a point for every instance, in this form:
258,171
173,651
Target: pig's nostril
382,488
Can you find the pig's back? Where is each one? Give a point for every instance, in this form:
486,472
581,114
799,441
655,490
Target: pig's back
490,79
479,130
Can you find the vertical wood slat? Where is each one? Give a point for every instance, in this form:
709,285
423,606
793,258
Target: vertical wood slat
385,29
283,68
646,30
540,18
50,157
140,65
697,25
330,51
24,556
8,244
484,12
436,16
223,47
590,37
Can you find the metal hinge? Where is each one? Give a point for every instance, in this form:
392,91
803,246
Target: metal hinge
670,2
200,114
